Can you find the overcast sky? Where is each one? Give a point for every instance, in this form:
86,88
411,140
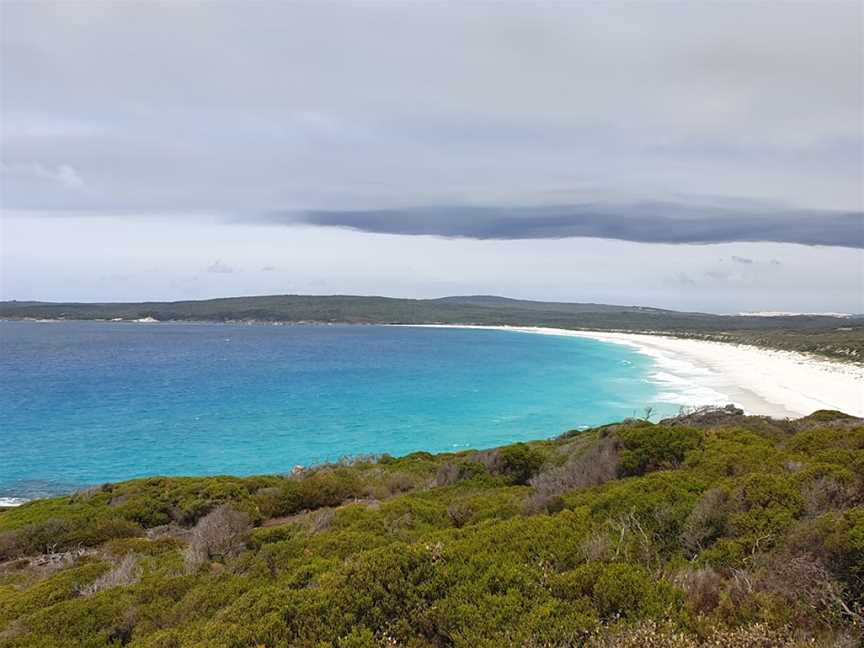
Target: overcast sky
689,155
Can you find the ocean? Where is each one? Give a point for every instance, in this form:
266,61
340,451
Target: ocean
83,403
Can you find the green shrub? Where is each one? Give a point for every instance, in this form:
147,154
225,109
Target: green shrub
734,452
810,441
618,590
654,447
61,587
326,488
621,589
577,583
358,638
764,506
755,525
518,462
455,471
824,416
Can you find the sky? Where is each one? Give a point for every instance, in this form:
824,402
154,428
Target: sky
691,155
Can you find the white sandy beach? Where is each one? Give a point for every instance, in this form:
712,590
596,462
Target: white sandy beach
760,381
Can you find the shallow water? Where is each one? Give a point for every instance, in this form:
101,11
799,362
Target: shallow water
88,402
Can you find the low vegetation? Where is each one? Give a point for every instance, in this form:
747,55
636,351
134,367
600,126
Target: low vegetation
842,342
710,529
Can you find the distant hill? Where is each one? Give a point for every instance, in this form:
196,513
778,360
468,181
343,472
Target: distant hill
491,301
474,309
822,334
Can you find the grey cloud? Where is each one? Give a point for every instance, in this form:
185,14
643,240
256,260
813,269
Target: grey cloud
347,106
644,223
632,115
721,275
684,279
64,175
744,260
217,267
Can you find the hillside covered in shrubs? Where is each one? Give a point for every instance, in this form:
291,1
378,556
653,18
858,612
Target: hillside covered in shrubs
710,529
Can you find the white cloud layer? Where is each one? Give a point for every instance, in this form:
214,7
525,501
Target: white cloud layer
134,259
152,114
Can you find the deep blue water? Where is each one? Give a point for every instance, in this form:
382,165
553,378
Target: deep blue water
83,403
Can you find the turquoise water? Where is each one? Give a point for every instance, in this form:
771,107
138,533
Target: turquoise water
83,403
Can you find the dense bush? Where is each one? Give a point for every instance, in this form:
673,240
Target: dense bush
654,447
518,462
456,471
629,535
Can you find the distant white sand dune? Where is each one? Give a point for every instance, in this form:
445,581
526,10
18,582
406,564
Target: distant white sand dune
793,314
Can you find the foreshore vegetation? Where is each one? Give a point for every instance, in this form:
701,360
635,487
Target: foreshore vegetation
709,529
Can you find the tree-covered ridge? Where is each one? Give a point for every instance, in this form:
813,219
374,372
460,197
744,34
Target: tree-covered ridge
389,310
709,529
841,339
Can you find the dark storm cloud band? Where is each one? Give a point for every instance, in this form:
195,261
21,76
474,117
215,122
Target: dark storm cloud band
638,223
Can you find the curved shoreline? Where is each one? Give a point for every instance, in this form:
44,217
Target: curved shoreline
760,381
